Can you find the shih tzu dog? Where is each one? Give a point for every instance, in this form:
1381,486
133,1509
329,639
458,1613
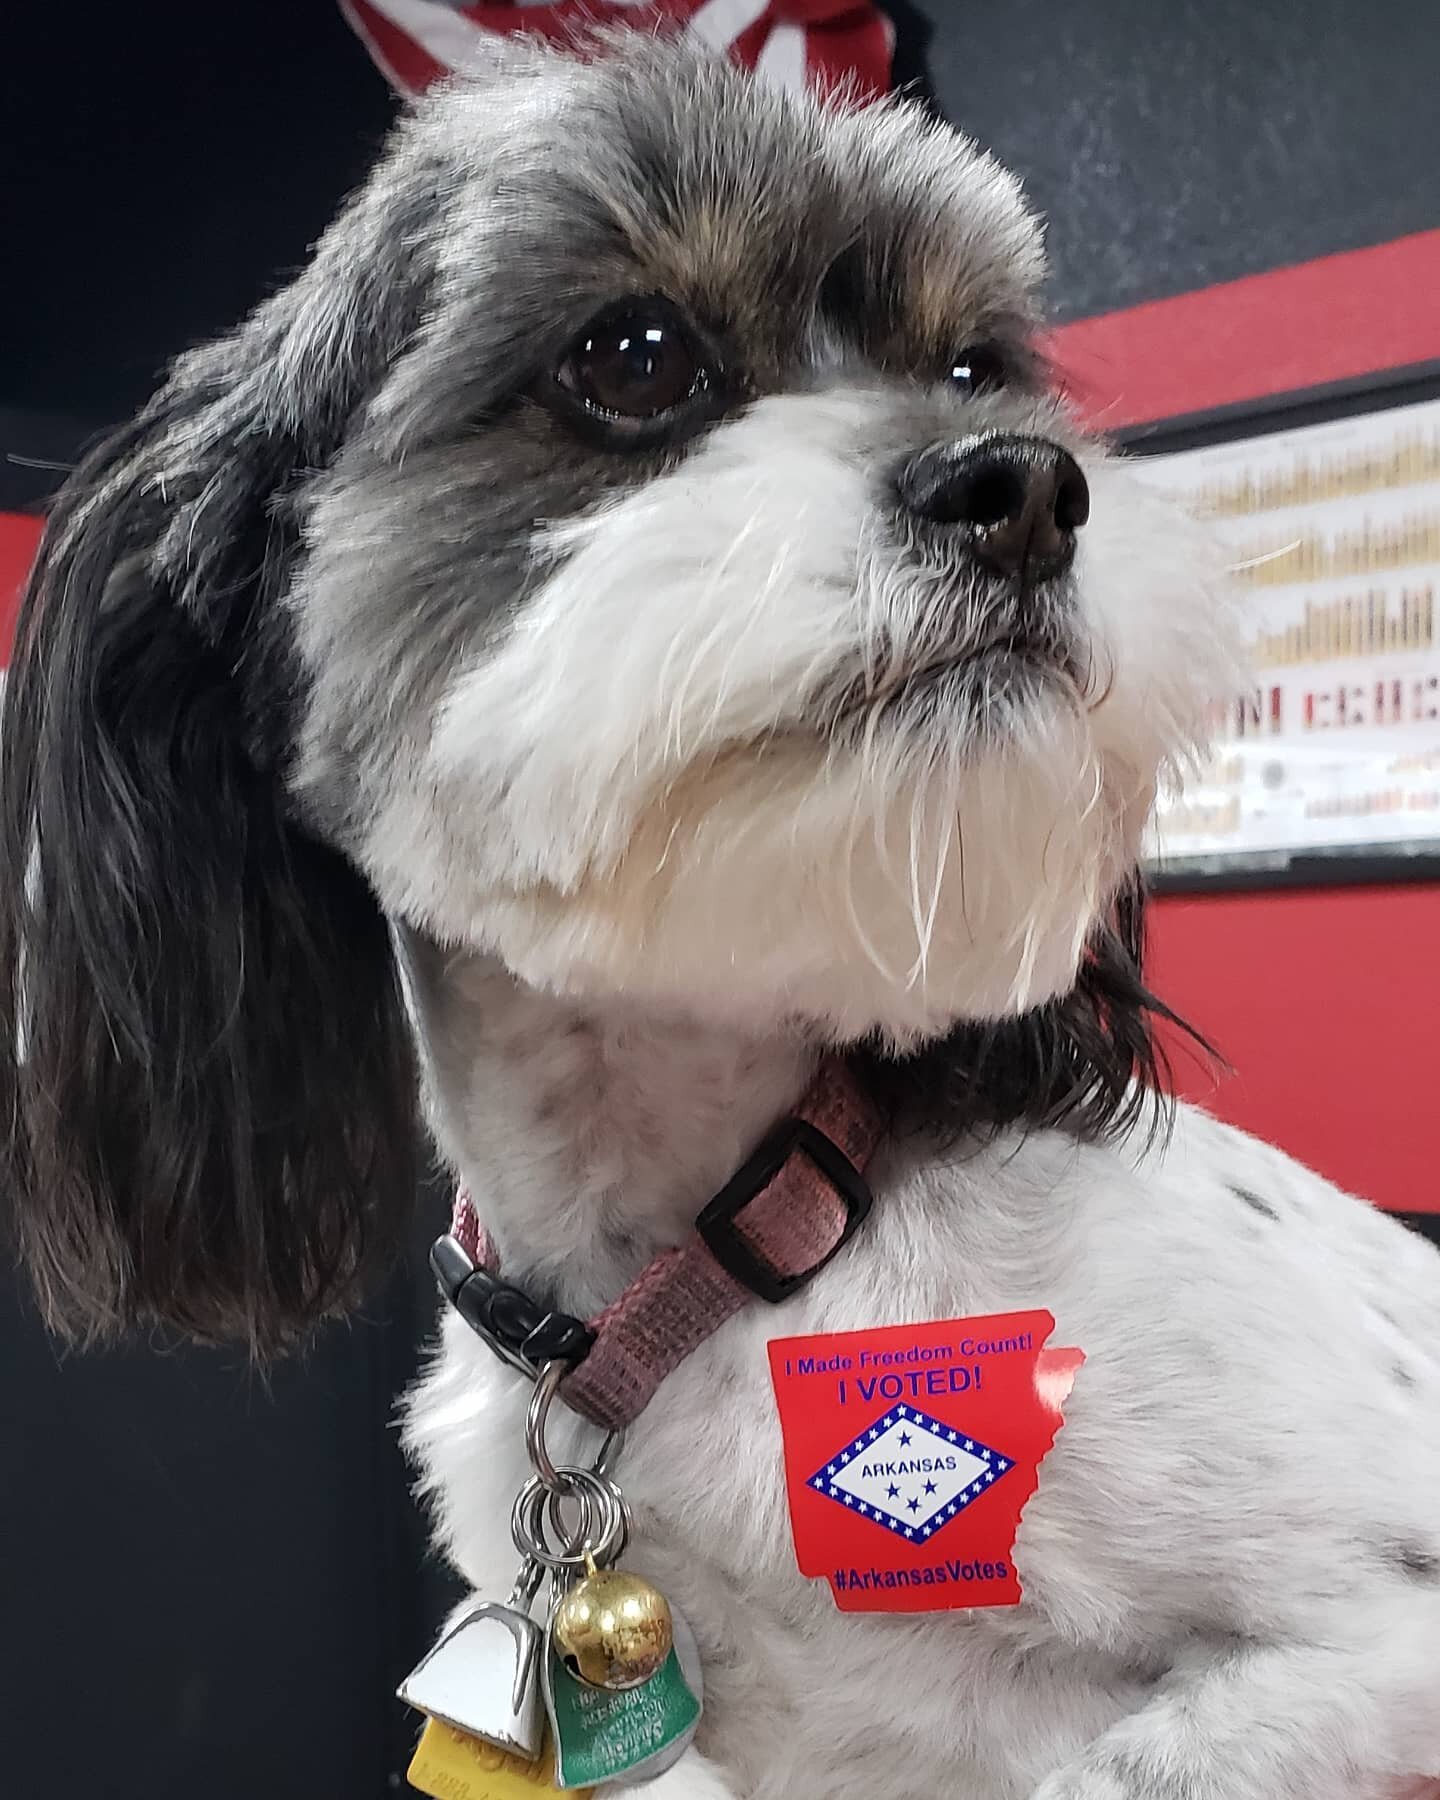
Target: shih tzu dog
629,623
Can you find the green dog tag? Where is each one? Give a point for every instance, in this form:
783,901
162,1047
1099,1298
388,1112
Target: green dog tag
602,1736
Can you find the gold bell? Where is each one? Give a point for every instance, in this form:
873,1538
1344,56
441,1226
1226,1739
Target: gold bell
613,1630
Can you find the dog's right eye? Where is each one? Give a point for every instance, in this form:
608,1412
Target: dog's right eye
634,364
979,369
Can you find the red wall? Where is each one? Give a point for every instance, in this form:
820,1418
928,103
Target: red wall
18,538
1329,320
1326,1004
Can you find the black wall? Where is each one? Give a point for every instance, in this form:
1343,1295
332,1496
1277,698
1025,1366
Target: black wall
211,1583
1175,144
208,1587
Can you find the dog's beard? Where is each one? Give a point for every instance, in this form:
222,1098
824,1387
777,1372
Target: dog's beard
735,754
842,887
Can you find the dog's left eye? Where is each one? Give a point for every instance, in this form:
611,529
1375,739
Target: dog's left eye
633,363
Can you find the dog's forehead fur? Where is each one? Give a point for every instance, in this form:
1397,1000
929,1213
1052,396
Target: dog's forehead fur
557,187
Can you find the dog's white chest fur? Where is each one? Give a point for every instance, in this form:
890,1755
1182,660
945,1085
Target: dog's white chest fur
1249,1471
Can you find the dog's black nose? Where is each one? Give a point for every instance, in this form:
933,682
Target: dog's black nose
1021,499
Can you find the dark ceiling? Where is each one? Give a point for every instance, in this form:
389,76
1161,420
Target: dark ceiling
173,161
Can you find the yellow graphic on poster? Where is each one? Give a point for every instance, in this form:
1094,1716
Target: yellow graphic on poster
1335,536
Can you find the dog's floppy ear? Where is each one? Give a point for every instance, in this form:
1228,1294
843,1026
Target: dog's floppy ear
205,1083
1089,1062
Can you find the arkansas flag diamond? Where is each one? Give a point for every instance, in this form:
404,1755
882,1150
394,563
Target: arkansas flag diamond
910,1473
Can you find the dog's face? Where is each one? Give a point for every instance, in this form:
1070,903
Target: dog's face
642,546
710,601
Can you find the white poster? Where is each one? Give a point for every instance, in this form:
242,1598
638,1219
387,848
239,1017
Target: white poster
1336,537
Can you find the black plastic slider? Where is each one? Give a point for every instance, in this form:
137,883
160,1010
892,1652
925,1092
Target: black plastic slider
717,1223
516,1329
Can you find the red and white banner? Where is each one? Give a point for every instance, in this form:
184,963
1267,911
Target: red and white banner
787,42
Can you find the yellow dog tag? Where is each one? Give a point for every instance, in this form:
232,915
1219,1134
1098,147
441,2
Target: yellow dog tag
451,1765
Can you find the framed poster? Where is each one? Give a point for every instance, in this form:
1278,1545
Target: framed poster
1330,768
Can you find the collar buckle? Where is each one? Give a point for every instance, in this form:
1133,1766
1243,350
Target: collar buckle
515,1328
717,1224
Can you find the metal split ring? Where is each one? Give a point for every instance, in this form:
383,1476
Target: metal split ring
604,1524
547,1386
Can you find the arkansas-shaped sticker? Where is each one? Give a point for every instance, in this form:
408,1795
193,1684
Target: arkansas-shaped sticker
910,1452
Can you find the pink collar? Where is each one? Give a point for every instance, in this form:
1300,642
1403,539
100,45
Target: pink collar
774,1225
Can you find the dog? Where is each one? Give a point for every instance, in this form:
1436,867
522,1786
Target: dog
631,622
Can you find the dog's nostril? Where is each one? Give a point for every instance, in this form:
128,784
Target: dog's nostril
1020,499
985,498
1072,502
